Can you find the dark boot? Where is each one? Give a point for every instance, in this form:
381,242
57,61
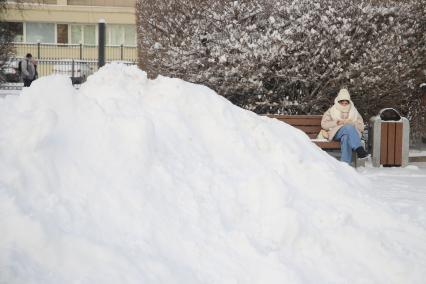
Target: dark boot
361,153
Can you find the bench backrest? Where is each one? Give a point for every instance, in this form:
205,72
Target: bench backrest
310,124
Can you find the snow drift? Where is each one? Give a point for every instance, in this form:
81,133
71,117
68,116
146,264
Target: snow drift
130,180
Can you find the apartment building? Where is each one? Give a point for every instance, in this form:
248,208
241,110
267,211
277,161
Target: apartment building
72,21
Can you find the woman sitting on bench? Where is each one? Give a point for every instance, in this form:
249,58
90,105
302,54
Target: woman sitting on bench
342,122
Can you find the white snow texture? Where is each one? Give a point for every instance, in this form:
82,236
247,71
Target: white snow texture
131,180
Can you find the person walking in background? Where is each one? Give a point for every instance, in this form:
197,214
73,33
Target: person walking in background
35,63
28,70
342,122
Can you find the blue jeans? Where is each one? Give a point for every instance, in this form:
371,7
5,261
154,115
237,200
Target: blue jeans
349,140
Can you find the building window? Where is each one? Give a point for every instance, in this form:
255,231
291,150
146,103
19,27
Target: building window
40,32
62,33
73,33
85,34
76,34
17,30
121,34
89,34
114,36
130,35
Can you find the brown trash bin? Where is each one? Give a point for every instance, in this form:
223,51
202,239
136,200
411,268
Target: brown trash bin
389,139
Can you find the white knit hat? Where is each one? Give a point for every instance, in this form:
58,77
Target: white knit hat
343,95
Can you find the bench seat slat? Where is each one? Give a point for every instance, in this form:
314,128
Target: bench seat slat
328,145
287,116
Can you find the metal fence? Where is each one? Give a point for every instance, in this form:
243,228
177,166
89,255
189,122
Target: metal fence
76,61
77,70
75,51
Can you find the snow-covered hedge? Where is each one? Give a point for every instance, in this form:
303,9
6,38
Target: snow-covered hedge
291,56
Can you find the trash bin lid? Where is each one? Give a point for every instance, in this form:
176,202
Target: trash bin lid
389,114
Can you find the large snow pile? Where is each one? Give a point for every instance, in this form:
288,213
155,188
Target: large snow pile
130,180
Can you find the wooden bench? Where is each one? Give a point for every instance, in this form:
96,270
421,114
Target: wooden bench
311,125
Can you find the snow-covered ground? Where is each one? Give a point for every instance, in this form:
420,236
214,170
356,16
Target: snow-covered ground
4,93
130,180
403,189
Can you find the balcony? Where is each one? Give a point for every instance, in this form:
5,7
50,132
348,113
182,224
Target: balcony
95,3
103,3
